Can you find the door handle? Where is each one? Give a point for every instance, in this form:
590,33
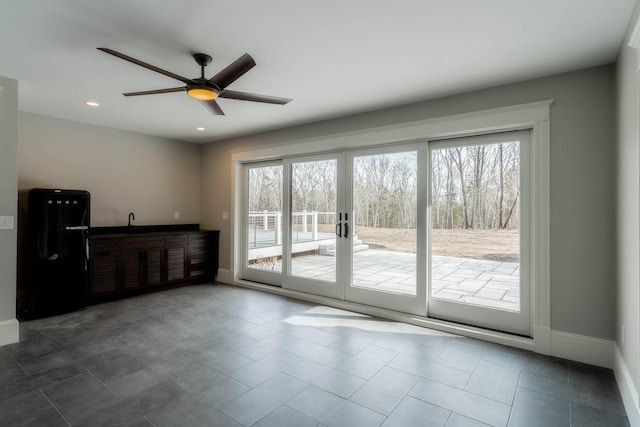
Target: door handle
338,229
346,225
77,227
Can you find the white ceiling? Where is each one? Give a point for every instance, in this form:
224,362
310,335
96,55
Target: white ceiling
333,57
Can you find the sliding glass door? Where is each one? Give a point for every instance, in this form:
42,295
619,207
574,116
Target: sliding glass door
479,231
314,197
386,258
437,228
262,230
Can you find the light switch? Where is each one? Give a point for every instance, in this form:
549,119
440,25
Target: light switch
225,216
6,223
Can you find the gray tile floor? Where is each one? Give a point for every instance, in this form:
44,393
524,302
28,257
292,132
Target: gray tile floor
217,355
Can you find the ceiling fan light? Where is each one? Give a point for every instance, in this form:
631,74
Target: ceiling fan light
202,93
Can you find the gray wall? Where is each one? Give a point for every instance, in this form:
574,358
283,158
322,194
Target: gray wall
8,202
583,291
628,214
124,172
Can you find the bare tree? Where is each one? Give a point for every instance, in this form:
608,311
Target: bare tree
476,187
472,187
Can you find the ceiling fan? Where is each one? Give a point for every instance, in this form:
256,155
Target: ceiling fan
202,89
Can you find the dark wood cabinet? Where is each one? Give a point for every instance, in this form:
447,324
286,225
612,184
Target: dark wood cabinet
175,253
105,264
129,264
199,259
143,258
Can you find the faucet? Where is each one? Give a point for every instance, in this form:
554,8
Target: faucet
131,217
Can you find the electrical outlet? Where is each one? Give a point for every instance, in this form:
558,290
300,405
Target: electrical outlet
225,216
176,215
6,223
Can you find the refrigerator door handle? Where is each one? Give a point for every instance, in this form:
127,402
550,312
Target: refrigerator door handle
77,227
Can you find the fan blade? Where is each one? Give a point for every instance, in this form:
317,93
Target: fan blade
244,96
213,107
153,92
233,71
145,65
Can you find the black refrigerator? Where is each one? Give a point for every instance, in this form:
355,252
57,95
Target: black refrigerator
53,227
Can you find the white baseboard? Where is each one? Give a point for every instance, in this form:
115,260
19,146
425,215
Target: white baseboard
542,339
628,390
225,276
9,331
580,348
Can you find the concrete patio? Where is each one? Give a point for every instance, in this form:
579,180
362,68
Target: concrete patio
472,281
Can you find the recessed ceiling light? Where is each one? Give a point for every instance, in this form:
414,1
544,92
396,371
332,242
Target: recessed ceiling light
91,103
200,128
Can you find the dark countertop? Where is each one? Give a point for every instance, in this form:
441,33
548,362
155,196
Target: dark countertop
142,230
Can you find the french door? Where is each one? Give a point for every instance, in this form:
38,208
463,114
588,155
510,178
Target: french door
436,228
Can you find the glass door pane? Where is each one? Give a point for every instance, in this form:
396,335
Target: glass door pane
384,246
477,226
313,252
263,222
384,217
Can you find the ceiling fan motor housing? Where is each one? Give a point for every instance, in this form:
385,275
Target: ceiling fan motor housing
202,59
203,89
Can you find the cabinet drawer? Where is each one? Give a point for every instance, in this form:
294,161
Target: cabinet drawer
143,242
103,246
199,242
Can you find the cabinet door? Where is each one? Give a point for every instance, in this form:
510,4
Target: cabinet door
199,265
133,269
153,266
143,261
176,258
105,262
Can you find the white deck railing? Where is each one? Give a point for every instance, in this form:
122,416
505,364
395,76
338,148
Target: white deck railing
266,221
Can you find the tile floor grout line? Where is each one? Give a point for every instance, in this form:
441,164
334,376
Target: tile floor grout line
122,398
54,406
